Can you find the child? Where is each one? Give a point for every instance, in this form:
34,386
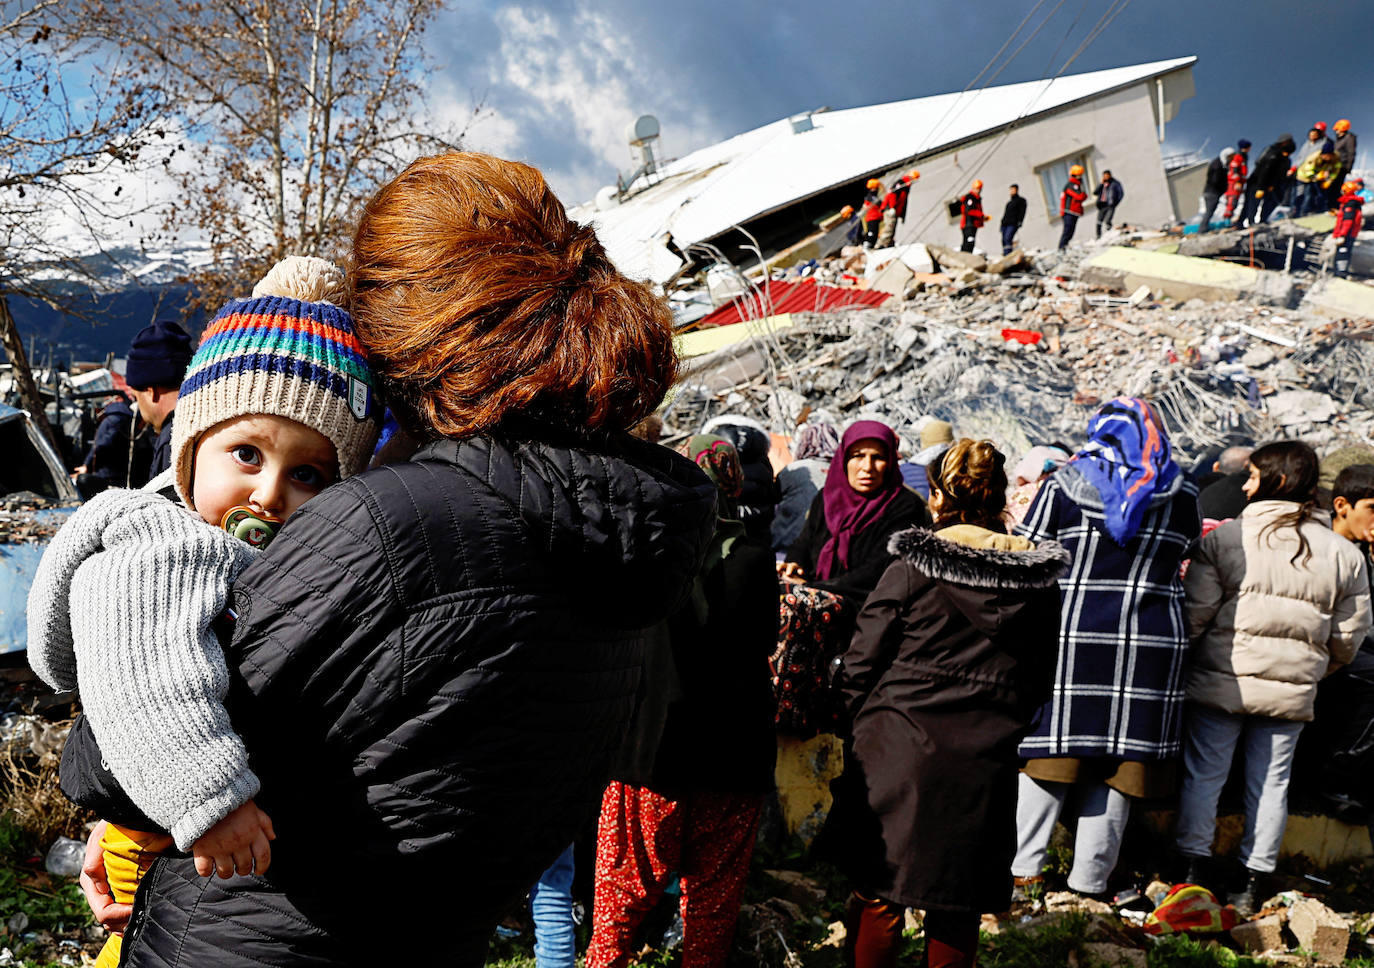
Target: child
277,403
1275,602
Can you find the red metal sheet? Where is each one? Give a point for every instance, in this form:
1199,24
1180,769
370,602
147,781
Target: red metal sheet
802,296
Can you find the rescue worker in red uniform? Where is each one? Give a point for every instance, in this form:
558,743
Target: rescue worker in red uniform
1071,205
971,216
1237,171
894,208
872,212
1349,220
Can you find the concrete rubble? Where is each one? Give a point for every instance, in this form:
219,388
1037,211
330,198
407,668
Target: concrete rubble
1024,357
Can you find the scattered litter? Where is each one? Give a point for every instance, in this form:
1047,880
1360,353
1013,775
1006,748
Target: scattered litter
65,857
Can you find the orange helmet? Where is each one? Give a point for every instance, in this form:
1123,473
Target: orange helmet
913,174
874,183
1342,126
847,211
977,185
1076,171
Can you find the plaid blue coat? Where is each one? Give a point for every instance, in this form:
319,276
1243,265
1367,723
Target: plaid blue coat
1123,636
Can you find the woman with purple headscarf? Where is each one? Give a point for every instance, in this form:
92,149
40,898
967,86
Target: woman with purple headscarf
842,547
833,566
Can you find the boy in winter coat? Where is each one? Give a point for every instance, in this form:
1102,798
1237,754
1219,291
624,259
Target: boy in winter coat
276,405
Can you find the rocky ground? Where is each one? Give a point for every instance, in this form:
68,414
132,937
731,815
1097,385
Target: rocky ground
1023,358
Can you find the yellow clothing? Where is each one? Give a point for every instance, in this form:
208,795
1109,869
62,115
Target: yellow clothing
128,855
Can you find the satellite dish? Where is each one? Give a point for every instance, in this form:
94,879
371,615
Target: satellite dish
643,129
607,198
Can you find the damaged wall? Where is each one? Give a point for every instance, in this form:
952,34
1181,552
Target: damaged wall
1116,130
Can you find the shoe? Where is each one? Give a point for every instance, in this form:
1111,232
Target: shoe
1025,890
1247,900
1197,871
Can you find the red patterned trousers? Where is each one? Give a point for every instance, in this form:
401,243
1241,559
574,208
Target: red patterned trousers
643,838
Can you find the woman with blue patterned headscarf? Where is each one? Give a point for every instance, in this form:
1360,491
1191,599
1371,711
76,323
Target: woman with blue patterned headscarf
1112,730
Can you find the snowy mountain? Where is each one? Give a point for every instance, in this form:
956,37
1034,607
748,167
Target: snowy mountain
100,301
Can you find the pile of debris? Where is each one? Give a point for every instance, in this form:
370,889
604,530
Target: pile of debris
1023,357
23,518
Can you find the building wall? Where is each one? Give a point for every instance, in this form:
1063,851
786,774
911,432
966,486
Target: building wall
1117,131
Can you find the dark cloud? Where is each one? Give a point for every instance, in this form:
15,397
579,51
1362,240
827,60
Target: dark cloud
563,78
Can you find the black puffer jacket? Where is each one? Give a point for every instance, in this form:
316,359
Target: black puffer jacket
436,664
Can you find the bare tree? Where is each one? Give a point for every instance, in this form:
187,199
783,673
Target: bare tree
295,110
70,116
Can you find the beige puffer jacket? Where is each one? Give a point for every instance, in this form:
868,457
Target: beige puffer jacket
1265,631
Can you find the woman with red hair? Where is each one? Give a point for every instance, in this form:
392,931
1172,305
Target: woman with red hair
436,662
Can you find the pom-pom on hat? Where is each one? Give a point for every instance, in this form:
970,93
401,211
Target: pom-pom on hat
289,351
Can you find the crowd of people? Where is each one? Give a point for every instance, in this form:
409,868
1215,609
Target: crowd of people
420,593
1318,177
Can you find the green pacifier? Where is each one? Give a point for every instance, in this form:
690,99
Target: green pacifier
247,525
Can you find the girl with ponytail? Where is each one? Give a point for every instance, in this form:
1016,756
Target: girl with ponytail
1276,601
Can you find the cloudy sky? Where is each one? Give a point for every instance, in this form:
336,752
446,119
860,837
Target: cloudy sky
560,79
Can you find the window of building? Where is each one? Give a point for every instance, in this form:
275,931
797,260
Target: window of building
1055,175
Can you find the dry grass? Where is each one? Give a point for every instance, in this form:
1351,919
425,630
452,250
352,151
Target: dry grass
30,796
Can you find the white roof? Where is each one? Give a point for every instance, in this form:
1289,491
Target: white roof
703,194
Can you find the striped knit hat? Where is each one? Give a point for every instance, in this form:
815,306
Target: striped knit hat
288,351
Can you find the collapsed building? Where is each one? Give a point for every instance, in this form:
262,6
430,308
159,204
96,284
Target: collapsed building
775,189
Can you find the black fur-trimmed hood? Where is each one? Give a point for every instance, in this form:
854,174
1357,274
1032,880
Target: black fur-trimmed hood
951,561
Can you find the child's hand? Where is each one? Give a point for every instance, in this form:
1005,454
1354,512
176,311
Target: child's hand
238,842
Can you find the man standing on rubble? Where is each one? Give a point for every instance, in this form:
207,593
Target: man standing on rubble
157,361
971,215
1236,174
1071,201
1109,195
872,212
1344,141
1215,186
1012,217
1264,191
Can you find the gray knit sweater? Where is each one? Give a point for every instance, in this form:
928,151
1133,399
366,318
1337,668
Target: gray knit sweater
120,609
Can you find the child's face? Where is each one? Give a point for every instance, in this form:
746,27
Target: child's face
270,464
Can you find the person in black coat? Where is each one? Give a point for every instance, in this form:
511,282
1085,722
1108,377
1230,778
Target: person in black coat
951,657
1214,187
759,500
1263,190
435,664
698,813
120,453
1012,217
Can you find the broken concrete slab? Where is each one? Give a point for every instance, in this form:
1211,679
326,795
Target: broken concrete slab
892,278
1014,259
1261,934
1291,408
954,259
1319,929
917,258
1340,299
1186,277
